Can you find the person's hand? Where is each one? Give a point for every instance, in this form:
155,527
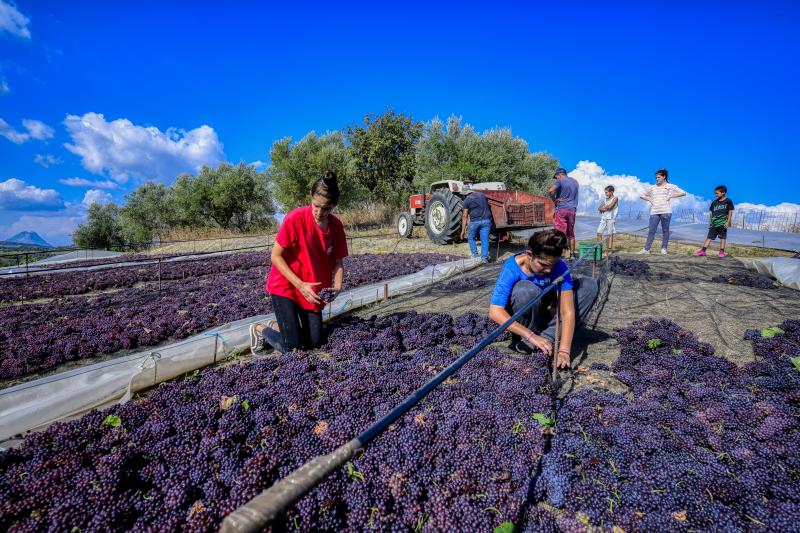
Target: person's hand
535,341
307,290
562,358
727,225
463,235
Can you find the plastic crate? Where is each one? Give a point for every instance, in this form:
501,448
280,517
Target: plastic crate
525,214
593,250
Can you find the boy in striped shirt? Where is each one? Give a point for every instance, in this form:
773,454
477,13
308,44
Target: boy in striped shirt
720,218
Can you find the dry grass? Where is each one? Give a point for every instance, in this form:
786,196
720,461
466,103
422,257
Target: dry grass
368,215
371,229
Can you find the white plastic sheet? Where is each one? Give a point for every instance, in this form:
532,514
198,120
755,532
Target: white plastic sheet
785,269
36,404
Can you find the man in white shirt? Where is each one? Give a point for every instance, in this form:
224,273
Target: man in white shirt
660,195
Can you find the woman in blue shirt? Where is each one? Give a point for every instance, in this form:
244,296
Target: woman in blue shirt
523,277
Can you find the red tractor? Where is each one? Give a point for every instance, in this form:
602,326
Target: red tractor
440,210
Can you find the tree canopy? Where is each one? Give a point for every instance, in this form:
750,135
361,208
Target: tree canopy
382,159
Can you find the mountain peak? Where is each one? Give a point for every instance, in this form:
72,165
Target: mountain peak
28,237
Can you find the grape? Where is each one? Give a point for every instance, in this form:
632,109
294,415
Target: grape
38,337
745,279
192,450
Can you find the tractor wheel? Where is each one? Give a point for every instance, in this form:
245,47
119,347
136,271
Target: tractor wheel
443,217
405,225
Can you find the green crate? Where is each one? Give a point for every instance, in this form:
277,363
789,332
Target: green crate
594,250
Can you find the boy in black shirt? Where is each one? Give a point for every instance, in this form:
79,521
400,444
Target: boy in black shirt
720,218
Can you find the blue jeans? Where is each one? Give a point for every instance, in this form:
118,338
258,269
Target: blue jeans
540,318
482,226
301,329
651,232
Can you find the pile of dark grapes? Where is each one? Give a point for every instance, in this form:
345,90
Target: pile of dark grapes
327,295
463,284
698,444
37,337
630,267
58,284
746,279
195,449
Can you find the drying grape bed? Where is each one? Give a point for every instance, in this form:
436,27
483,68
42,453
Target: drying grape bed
195,449
41,336
58,284
698,445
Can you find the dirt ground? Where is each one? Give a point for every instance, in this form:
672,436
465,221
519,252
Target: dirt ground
680,289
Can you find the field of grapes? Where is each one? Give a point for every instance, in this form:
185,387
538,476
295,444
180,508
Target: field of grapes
198,295
682,414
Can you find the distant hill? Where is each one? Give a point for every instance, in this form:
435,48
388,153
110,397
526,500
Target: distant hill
25,238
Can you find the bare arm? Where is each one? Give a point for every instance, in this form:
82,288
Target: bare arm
305,288
552,190
613,203
500,316
338,275
464,215
567,311
729,223
677,194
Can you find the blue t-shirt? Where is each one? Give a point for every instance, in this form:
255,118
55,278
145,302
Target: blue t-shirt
567,194
478,207
512,273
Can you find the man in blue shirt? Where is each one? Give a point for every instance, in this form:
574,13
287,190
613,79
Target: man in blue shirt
523,277
565,194
476,207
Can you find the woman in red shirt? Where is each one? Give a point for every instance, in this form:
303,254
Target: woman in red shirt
307,257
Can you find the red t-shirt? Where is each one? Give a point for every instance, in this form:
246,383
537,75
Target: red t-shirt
310,252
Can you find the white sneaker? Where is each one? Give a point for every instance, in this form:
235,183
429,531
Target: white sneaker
663,251
643,252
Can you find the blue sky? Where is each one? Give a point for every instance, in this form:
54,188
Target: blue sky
710,92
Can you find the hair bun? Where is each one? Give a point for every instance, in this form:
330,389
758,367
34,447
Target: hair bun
329,176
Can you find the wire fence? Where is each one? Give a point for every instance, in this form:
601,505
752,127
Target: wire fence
26,265
759,220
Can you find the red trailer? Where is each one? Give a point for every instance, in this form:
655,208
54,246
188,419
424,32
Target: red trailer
440,210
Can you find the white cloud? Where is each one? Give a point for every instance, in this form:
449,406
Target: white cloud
96,196
47,160
82,182
4,88
16,195
12,21
593,180
258,164
36,130
123,149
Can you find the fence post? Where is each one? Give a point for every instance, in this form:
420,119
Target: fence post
556,336
159,276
